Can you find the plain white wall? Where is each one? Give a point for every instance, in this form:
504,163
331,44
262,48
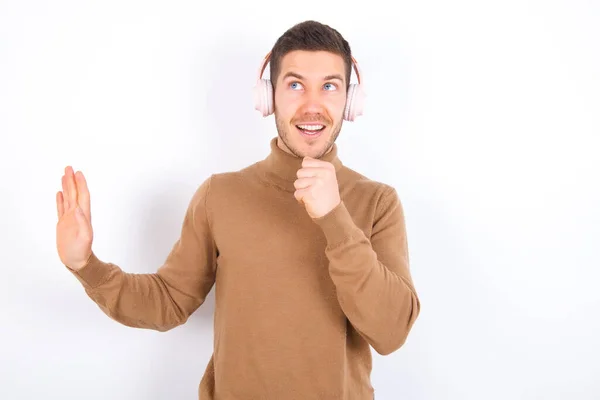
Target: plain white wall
484,116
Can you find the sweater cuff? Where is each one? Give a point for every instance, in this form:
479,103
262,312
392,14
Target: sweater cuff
337,225
94,273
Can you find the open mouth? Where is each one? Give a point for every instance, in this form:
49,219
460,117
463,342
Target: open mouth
310,129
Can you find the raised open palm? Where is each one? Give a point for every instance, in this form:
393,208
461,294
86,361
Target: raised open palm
74,232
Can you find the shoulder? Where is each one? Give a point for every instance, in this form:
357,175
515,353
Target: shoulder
356,184
379,200
233,180
221,185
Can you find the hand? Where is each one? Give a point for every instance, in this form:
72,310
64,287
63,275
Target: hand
317,187
74,233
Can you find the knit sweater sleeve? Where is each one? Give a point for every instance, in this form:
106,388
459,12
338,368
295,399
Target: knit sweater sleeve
166,298
372,278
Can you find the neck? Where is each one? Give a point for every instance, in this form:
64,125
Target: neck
280,166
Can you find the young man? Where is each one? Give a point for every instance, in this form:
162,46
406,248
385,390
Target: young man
309,259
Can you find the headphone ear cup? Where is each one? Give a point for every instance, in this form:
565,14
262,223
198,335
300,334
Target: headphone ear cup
349,99
263,97
269,97
354,102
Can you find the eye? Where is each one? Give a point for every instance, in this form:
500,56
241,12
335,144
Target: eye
295,85
330,86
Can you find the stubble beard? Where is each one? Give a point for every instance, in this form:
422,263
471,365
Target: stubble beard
283,131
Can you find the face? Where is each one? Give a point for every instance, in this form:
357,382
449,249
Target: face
310,97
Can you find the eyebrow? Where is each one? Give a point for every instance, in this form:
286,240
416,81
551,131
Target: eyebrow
327,78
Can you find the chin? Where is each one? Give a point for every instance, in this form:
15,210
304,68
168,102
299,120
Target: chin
309,143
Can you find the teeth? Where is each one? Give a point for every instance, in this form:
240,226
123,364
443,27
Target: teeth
311,127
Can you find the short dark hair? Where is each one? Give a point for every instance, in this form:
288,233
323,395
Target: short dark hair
311,36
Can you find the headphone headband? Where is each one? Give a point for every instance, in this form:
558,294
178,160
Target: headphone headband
267,58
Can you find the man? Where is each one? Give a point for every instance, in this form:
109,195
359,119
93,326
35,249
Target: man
309,259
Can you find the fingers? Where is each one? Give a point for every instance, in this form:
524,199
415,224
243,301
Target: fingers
300,194
65,193
60,206
312,162
72,189
303,183
307,172
74,192
83,194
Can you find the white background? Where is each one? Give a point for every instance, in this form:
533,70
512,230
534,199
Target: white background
483,115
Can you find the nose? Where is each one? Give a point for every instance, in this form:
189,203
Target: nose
313,102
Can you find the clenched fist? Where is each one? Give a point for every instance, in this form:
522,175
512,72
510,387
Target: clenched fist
317,187
74,233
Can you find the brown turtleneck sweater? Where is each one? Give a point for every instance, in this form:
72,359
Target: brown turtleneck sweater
298,300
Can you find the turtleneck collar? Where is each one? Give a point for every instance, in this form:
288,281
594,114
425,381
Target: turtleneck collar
280,168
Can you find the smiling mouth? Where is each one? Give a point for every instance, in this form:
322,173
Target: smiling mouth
310,129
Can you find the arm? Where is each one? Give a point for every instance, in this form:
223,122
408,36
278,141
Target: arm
165,299
372,277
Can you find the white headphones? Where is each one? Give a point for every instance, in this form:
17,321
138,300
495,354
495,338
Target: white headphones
263,94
